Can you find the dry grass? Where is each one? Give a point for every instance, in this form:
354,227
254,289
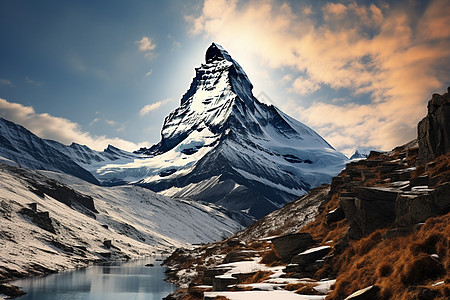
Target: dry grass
303,288
440,169
271,258
258,277
258,245
323,232
396,264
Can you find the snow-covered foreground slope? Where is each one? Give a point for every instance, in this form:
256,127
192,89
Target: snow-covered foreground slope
68,231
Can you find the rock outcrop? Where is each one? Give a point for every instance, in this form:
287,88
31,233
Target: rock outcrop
434,129
291,244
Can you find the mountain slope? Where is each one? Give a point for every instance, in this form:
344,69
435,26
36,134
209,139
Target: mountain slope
27,150
58,234
222,145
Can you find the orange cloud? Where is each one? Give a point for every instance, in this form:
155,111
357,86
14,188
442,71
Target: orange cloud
399,59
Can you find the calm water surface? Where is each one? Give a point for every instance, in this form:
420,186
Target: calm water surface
129,281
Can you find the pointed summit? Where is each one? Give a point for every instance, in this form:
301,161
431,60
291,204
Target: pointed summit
217,52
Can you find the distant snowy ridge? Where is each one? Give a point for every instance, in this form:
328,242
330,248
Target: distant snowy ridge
361,152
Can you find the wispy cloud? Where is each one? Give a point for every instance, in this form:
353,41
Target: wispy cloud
94,121
59,129
111,122
154,106
395,59
36,83
175,43
6,82
147,46
149,73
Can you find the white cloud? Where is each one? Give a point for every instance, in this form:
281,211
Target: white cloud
154,106
59,129
146,44
6,82
111,122
149,73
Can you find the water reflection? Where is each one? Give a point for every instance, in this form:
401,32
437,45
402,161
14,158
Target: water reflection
130,281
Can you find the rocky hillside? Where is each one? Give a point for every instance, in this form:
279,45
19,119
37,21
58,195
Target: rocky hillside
381,231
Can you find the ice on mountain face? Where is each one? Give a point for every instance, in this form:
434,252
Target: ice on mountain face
221,131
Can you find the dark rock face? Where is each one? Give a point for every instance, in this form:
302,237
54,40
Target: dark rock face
372,208
11,290
291,244
434,129
41,219
416,207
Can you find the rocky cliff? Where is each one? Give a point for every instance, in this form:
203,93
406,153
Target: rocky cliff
434,129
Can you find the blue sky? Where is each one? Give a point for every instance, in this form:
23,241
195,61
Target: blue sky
99,72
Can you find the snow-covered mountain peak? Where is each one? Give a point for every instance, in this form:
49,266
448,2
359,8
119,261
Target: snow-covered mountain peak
222,145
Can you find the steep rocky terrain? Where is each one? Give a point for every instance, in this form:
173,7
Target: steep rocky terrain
381,230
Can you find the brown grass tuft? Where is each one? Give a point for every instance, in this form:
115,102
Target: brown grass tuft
258,277
303,288
271,258
421,268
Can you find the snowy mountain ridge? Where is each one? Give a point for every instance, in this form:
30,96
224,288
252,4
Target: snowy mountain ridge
222,145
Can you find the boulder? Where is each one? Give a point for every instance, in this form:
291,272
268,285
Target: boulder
335,215
420,181
368,293
210,274
434,130
107,244
291,244
222,283
311,255
235,256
